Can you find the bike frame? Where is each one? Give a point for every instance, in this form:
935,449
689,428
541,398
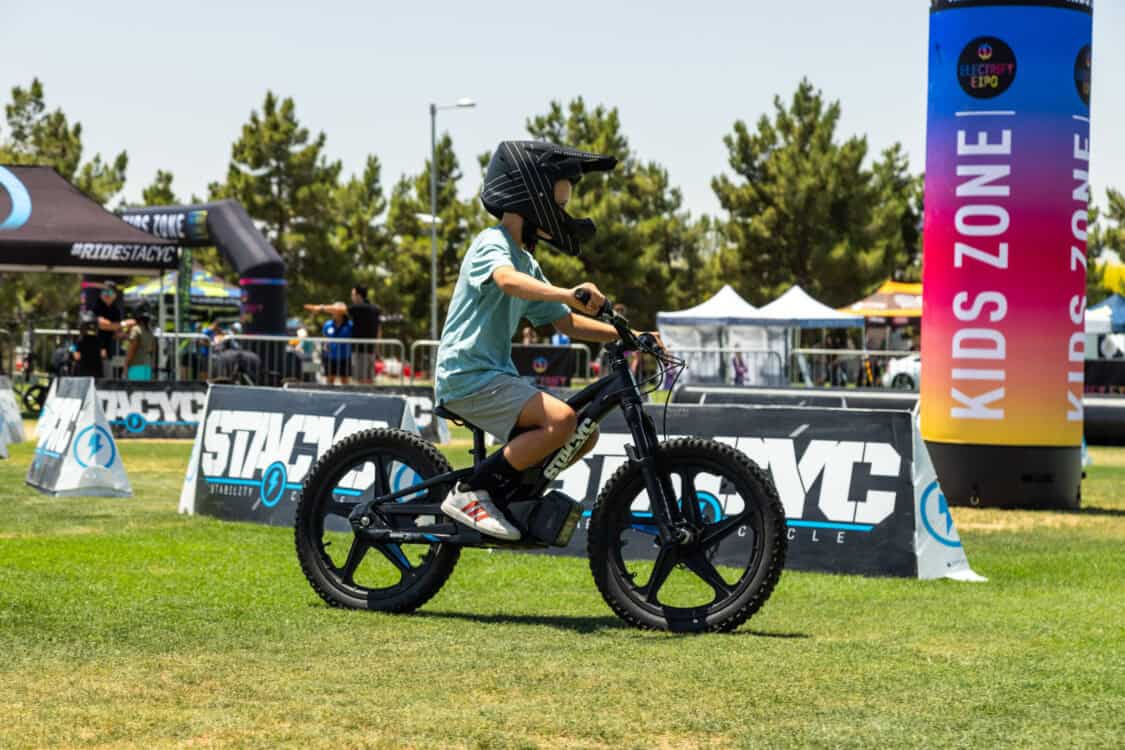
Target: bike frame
618,389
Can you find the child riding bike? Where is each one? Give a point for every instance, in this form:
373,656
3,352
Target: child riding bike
527,187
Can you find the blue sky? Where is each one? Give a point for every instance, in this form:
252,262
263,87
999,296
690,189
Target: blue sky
173,83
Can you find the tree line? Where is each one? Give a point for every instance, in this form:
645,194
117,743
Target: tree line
802,204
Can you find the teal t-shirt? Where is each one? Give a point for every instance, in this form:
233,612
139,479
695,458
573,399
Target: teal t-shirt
476,342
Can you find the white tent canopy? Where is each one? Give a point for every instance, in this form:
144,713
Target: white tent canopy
726,308
796,309
1099,320
722,341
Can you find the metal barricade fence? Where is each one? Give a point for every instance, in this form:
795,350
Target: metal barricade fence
732,366
422,368
50,351
271,360
245,358
183,356
862,367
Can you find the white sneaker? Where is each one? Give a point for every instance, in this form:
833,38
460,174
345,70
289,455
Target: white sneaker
476,510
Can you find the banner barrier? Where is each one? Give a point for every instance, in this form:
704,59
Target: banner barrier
11,421
152,409
550,366
858,490
420,398
76,453
848,480
255,446
839,398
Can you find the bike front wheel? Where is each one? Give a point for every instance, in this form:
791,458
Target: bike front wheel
723,575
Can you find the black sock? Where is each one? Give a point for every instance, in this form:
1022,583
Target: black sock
495,476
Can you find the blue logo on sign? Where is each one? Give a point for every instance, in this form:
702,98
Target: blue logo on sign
937,518
21,201
135,422
93,446
273,483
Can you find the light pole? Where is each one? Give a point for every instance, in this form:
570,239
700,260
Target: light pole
464,103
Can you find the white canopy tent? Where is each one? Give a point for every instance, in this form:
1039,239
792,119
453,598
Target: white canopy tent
1099,320
725,326
796,309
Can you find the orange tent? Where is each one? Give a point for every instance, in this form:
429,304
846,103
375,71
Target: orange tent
894,302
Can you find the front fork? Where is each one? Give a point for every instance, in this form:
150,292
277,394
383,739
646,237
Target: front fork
670,521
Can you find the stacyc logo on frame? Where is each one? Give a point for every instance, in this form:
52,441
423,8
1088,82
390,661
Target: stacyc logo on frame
262,456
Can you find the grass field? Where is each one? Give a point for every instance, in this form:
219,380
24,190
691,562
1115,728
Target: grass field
123,624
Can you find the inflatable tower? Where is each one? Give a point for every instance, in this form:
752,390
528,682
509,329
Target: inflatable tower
1007,186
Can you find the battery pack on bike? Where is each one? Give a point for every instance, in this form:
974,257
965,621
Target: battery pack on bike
550,519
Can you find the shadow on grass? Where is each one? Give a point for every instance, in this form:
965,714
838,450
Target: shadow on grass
584,625
764,634
1112,512
562,622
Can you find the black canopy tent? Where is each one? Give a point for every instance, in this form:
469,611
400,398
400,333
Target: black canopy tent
47,224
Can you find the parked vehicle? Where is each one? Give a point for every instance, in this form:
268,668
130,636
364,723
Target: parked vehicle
904,373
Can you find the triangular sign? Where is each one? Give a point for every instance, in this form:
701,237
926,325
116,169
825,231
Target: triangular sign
76,453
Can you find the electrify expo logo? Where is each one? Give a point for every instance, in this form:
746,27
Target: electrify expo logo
986,67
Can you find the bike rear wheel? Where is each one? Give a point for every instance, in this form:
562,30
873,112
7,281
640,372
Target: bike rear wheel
714,583
345,569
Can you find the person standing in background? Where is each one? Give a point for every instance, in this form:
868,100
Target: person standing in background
337,357
366,323
87,350
140,353
107,310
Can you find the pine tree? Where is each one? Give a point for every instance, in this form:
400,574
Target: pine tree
284,180
804,210
160,192
407,289
1106,232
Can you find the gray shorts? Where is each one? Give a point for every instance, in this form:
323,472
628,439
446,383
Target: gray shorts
496,407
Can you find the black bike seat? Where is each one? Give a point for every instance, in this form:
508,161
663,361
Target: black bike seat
441,411
444,413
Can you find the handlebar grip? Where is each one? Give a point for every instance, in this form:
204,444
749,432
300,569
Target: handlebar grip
583,296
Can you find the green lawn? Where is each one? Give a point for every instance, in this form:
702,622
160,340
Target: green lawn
123,624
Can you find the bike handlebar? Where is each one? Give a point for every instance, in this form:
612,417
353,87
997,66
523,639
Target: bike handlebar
645,342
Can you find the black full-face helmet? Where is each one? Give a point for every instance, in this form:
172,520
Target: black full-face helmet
521,179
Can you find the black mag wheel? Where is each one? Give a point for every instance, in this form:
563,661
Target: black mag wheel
903,382
347,570
711,584
34,398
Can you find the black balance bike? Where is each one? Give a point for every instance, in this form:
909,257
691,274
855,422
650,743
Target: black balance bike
688,535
